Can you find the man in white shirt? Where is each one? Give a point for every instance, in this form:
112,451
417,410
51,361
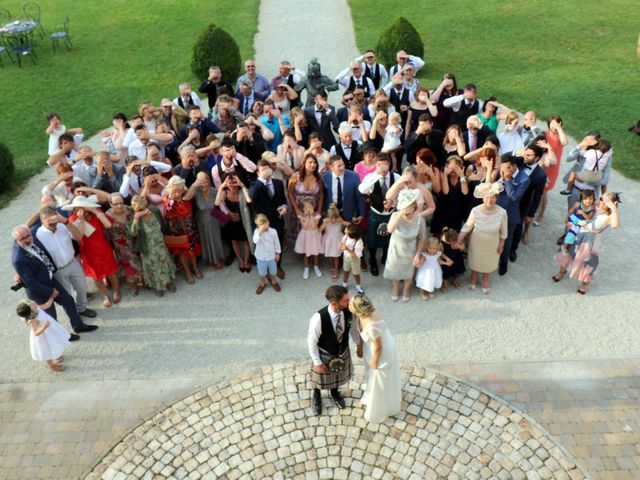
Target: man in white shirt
85,168
187,98
138,147
464,105
405,59
133,180
328,343
375,185
347,148
56,234
356,79
375,71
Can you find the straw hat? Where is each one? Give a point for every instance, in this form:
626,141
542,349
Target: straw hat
486,189
165,102
81,201
407,197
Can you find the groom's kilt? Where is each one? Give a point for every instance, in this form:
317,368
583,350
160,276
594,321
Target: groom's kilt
332,380
373,239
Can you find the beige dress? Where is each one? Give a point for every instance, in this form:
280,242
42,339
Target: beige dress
487,228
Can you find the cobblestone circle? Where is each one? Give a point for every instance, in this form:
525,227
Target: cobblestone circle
261,426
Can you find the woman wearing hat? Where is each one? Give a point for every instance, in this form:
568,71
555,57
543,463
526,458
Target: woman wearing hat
487,230
408,233
96,253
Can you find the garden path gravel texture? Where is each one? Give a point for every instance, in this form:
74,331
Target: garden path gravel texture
219,326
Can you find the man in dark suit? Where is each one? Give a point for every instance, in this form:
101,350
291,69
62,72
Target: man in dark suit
476,133
269,198
322,118
341,188
35,267
425,136
197,119
532,196
515,182
214,86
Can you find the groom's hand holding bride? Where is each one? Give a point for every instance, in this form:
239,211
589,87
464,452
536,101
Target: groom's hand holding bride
373,363
321,369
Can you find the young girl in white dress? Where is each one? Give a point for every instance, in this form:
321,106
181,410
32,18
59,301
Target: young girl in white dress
309,241
382,391
332,228
429,275
393,138
48,338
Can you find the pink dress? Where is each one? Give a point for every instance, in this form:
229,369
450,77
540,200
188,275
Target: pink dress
309,241
331,240
363,170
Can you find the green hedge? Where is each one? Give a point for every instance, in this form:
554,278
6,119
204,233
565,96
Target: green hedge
6,168
215,46
400,35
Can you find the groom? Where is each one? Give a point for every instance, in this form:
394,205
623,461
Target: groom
328,342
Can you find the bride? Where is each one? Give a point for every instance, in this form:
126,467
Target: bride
382,391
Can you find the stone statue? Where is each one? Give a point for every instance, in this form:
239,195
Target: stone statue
314,81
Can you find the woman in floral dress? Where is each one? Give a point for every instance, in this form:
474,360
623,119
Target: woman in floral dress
124,247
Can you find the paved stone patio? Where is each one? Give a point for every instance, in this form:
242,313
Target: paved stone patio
261,426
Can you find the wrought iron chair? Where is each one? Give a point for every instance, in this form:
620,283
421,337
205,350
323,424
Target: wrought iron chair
5,16
22,49
32,12
61,33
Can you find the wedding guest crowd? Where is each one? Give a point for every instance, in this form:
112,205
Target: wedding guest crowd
430,175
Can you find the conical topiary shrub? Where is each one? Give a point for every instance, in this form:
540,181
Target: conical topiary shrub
215,46
400,35
6,168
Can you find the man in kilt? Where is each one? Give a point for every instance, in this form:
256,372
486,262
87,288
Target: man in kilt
328,342
376,184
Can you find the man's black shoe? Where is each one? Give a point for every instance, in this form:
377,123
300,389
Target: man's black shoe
374,268
338,399
317,402
513,257
88,313
84,328
502,269
73,337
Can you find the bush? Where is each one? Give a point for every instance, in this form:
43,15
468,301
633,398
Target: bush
6,168
400,35
215,46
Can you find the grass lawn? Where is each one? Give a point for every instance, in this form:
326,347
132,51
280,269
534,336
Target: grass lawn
573,58
124,52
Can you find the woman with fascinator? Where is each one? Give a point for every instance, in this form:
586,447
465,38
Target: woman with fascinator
408,235
48,338
486,228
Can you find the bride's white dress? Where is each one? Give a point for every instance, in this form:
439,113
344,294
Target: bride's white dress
382,391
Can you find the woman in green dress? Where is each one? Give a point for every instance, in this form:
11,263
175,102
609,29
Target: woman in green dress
158,268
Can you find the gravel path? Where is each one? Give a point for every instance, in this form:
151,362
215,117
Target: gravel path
220,324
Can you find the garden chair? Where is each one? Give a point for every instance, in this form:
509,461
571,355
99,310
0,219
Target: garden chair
61,33
32,12
22,49
5,16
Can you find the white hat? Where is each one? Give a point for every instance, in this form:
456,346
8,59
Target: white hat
81,201
407,197
486,189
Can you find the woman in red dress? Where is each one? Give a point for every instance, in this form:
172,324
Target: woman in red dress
96,253
557,140
179,220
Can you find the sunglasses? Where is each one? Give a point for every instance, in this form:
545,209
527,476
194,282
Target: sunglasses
24,237
348,99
